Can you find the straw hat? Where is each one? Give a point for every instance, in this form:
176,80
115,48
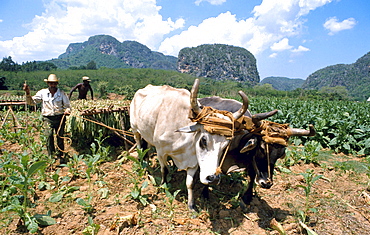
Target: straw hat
52,78
86,79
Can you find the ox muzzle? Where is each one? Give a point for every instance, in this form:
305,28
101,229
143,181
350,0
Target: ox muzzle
211,179
264,180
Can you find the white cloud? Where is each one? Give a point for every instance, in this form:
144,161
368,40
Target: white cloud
221,29
334,26
66,21
309,5
285,16
282,45
273,55
212,2
271,22
300,49
1,20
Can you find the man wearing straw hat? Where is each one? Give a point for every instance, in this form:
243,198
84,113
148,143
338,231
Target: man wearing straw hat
54,105
83,88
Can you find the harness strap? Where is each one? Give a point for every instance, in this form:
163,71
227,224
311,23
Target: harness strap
268,161
219,170
62,137
212,123
216,125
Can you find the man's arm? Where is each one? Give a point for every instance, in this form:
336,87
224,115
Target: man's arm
66,103
72,90
29,99
92,94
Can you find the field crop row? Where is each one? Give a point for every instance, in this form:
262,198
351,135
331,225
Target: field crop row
342,126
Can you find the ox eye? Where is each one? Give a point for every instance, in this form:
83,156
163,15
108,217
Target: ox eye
203,142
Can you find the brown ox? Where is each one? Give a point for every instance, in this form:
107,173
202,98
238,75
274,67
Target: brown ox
257,149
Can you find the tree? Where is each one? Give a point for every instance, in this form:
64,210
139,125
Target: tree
335,93
9,65
91,65
2,83
35,66
46,66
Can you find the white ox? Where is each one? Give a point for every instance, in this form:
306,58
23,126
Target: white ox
160,115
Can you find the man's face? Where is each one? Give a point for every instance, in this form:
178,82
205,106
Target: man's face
52,84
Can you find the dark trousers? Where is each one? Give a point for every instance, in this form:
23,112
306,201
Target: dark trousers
54,124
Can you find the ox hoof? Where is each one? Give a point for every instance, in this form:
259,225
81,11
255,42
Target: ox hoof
245,208
192,208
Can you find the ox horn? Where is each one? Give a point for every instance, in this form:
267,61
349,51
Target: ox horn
302,132
244,107
193,97
256,118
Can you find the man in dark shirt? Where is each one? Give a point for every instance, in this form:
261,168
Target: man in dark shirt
83,88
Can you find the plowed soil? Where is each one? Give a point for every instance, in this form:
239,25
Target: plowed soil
338,203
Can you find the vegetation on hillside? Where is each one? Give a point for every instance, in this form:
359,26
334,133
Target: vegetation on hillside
127,81
86,55
283,83
219,62
108,52
355,77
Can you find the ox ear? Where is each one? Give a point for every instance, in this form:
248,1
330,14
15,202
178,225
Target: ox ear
251,144
189,129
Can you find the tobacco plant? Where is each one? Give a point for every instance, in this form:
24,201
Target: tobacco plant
73,165
310,178
139,169
92,229
22,179
86,204
99,153
170,198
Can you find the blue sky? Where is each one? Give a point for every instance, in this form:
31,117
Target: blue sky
290,38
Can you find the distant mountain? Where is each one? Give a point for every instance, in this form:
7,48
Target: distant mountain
219,62
355,77
284,83
107,51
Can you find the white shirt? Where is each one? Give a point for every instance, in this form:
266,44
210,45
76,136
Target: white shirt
51,105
